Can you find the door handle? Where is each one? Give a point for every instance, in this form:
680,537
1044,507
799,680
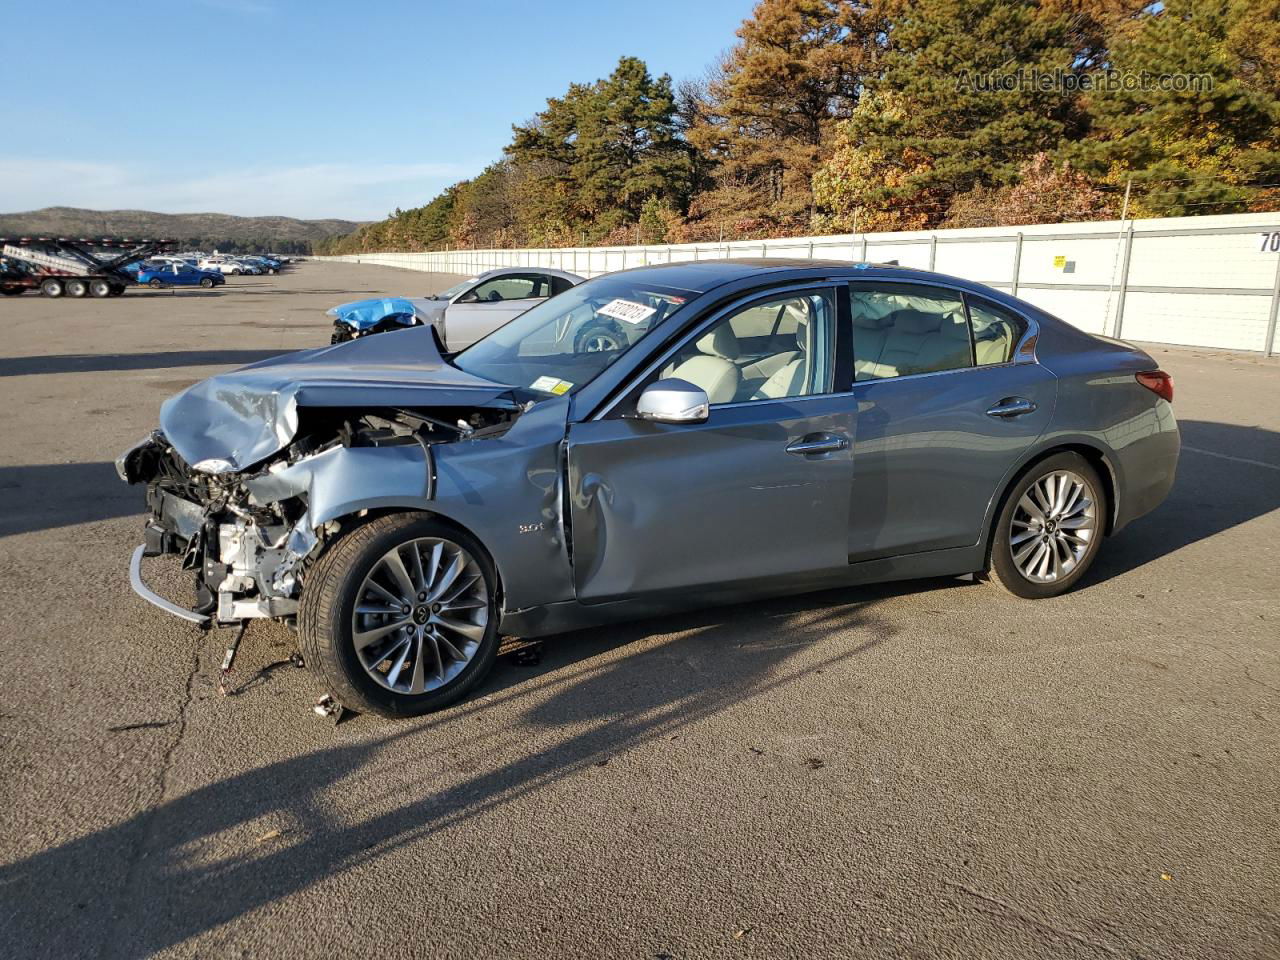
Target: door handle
817,443
1012,407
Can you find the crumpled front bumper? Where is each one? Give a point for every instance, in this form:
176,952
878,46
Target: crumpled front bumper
149,595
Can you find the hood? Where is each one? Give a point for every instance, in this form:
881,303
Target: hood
231,421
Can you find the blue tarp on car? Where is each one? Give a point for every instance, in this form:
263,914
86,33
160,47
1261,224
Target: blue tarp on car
363,314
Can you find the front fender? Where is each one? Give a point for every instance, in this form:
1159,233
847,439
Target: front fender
507,491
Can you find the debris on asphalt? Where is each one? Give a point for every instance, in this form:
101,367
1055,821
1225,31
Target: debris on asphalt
529,655
269,835
327,706
814,763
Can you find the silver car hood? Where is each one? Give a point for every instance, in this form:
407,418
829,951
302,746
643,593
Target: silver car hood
232,421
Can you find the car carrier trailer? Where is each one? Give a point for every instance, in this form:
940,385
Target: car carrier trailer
58,266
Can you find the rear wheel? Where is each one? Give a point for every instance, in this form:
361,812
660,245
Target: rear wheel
400,616
51,288
1050,528
99,288
77,288
155,283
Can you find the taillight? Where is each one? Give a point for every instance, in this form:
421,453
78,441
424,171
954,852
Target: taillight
1158,382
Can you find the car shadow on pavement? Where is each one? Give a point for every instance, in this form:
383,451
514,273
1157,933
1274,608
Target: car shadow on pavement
1216,489
104,362
43,496
576,716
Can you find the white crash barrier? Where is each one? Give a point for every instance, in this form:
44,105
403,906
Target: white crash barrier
1198,281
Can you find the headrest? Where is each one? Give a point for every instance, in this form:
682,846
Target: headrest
720,342
916,321
867,322
954,327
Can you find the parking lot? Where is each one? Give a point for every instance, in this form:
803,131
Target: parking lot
919,769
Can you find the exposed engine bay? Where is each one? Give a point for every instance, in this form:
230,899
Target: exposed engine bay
249,535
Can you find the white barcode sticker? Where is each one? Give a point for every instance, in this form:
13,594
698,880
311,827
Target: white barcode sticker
627,310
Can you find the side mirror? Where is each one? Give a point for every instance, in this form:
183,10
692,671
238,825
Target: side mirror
673,401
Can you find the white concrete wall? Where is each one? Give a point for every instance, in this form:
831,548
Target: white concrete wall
1200,281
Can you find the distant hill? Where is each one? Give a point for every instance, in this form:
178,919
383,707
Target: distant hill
205,227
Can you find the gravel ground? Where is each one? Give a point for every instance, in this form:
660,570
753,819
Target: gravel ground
930,769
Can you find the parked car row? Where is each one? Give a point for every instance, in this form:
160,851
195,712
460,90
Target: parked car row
640,442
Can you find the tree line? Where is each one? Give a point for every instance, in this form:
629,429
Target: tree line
830,116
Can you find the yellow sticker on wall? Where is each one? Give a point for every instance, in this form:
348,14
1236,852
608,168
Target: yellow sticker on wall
1059,262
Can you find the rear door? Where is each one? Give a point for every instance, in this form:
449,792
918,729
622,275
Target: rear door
489,305
945,409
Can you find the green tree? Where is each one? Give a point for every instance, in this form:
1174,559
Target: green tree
766,112
1189,149
938,119
593,157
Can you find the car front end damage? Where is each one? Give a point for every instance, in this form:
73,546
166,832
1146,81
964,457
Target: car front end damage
248,536
253,472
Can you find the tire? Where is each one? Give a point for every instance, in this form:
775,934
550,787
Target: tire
235,273
76,288
1036,558
600,337
12,291
155,284
99,288
273,272
328,620
51,288
206,282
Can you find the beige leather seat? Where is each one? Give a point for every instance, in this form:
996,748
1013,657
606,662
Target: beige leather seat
791,379
712,367
922,342
869,335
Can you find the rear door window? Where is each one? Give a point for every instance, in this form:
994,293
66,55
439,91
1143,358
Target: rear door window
902,329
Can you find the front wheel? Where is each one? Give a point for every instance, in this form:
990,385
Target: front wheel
206,282
400,616
1049,529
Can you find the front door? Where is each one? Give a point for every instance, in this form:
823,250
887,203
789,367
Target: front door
757,493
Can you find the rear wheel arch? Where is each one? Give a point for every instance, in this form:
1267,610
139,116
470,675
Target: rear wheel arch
1096,457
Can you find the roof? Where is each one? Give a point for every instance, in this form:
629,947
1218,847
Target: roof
704,275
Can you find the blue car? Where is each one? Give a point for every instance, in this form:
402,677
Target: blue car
178,275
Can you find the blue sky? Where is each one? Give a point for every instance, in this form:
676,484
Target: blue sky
307,109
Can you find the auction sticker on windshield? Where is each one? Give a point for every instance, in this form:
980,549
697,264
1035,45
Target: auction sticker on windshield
552,385
627,310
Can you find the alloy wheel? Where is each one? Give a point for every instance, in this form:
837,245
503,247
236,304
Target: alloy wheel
1053,527
420,615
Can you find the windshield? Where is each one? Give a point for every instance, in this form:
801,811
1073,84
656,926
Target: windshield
453,291
565,342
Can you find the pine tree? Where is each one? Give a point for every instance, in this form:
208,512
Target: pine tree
766,112
598,153
1191,150
936,120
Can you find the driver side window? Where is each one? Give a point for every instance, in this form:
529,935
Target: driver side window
769,349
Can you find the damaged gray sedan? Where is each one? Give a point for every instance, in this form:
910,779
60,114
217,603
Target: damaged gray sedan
753,428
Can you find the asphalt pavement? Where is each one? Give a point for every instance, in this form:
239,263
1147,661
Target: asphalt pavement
927,769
